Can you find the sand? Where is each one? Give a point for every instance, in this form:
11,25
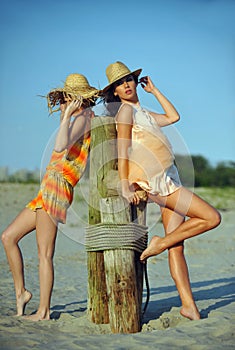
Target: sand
211,262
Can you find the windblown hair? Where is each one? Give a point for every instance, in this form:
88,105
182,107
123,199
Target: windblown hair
112,102
55,98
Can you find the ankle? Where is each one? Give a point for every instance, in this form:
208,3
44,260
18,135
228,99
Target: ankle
20,292
21,301
190,312
43,313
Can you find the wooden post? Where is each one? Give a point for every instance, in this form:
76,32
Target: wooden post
124,274
101,130
115,276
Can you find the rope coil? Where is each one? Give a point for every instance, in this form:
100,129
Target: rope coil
116,236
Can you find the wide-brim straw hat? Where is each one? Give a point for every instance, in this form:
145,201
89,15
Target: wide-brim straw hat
77,87
116,71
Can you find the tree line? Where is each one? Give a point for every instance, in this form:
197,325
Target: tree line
198,172
195,171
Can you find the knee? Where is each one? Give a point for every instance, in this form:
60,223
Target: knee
3,238
176,251
44,256
214,220
6,239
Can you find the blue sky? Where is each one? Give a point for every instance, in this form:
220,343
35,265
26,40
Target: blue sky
186,46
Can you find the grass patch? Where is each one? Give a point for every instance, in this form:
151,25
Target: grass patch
220,198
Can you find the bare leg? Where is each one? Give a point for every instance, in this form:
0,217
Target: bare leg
46,230
24,223
203,217
178,266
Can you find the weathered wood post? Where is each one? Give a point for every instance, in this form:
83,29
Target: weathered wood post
114,239
97,290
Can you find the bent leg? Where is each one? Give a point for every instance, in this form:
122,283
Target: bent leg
23,224
46,232
178,266
202,217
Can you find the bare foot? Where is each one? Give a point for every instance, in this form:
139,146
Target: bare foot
153,248
38,317
191,313
22,301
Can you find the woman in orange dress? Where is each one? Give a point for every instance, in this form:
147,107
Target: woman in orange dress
146,159
43,213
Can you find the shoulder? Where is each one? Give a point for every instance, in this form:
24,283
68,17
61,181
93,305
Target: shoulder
125,108
81,119
125,113
78,124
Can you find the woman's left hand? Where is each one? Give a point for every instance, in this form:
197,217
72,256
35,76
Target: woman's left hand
131,196
147,84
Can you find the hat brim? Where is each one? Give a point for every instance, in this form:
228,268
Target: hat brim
136,73
90,94
86,93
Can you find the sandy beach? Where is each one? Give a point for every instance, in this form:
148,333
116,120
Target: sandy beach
211,261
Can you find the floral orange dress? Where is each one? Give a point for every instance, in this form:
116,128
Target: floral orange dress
62,174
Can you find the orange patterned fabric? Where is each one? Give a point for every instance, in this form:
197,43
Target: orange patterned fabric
62,174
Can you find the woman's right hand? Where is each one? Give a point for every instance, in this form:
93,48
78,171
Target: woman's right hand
68,108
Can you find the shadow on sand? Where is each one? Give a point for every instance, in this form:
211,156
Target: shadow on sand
71,308
222,290
224,294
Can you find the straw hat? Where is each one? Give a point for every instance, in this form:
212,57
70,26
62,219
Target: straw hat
76,86
116,71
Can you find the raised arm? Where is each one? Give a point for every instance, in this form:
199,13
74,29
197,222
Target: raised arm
81,125
171,115
124,132
63,138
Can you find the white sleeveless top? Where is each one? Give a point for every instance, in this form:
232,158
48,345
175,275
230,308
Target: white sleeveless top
151,158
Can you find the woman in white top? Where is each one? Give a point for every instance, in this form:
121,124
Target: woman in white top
145,159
